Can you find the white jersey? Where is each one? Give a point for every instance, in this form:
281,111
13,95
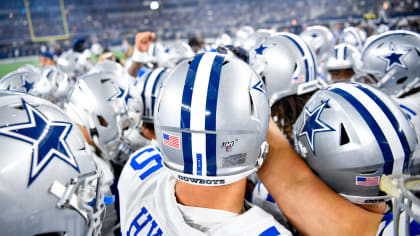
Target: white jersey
148,205
262,198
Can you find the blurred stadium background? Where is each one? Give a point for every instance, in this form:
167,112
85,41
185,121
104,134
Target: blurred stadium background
31,27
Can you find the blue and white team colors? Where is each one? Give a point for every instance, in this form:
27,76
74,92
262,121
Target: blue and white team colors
148,205
411,107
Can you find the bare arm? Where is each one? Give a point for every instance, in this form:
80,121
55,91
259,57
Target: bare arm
310,205
143,42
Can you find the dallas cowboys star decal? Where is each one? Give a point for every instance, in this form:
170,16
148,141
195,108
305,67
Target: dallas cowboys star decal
312,124
28,86
260,49
394,58
121,94
48,140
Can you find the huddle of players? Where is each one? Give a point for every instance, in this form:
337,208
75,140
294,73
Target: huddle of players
204,128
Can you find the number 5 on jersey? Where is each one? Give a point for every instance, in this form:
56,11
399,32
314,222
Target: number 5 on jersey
151,161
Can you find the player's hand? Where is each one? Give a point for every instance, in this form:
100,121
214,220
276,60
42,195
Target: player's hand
144,40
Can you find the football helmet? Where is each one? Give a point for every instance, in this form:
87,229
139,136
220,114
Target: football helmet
391,62
342,64
411,107
242,35
29,68
286,65
173,54
110,111
28,82
61,83
406,191
211,120
50,184
254,40
320,39
108,66
149,85
223,40
73,63
350,134
352,36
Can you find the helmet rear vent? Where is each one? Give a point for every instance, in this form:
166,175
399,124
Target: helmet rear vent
344,137
225,62
402,80
294,69
251,102
326,106
103,81
369,172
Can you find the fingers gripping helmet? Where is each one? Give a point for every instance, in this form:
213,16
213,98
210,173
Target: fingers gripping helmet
211,120
61,83
352,36
149,86
49,182
28,82
286,65
351,134
392,61
108,109
344,57
320,39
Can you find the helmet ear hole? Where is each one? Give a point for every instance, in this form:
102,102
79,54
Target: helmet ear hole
102,121
344,137
402,80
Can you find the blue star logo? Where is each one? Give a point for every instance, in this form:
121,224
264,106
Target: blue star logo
259,86
121,94
28,86
394,58
312,124
260,49
48,140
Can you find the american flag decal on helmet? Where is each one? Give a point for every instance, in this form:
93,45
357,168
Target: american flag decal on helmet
171,141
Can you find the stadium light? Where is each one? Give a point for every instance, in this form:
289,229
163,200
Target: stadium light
154,5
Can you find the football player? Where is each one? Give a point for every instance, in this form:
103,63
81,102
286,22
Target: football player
211,120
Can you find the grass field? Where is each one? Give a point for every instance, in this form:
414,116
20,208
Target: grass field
6,68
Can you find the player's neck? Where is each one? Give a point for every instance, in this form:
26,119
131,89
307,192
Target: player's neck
228,197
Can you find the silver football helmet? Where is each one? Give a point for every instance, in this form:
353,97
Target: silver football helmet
286,65
108,66
242,35
342,64
411,107
148,86
173,54
391,62
61,83
321,41
29,68
73,63
352,36
211,120
406,192
28,82
49,182
254,40
350,134
109,109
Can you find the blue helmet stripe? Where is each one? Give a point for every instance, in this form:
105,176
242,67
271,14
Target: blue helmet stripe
374,127
185,121
336,53
303,54
345,53
142,93
211,108
154,90
394,122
